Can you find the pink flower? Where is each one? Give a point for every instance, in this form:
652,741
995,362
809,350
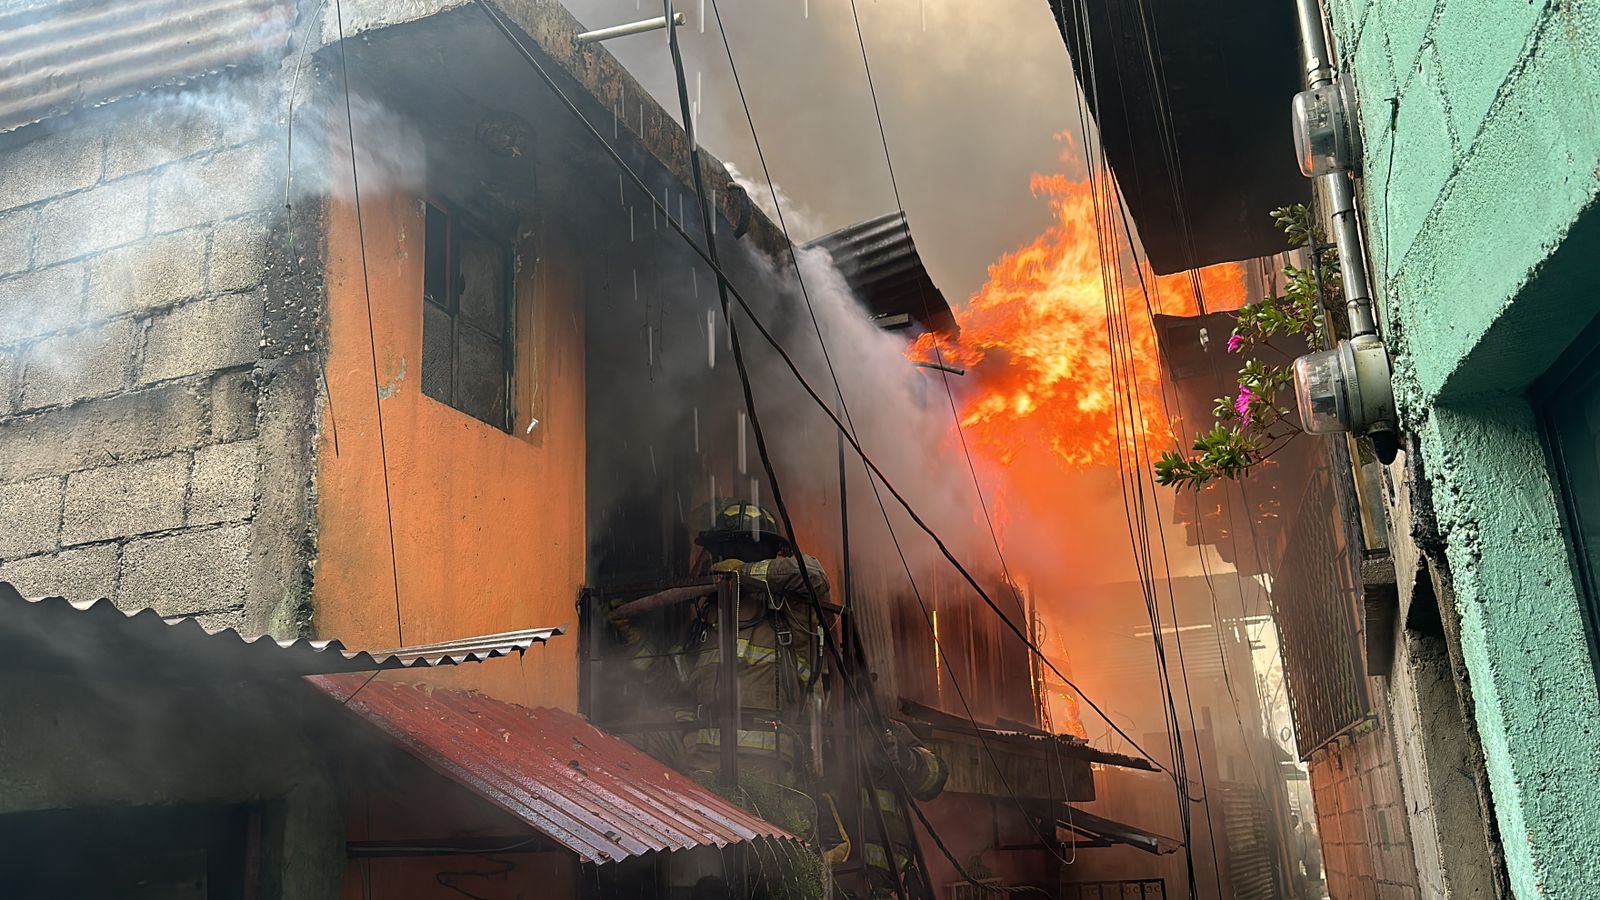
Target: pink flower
1235,342
1241,403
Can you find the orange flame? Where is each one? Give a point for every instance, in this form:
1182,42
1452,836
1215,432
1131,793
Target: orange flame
1038,408
1035,337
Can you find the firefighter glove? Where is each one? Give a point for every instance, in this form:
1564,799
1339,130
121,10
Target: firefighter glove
728,565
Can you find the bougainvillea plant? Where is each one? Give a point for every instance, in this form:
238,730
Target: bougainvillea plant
1253,424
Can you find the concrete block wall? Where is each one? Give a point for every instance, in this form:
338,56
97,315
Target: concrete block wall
1480,195
1361,818
157,389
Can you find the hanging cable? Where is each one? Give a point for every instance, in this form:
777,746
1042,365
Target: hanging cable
942,658
789,363
372,339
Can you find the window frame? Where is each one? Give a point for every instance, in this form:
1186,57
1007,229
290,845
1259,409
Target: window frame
1577,371
456,220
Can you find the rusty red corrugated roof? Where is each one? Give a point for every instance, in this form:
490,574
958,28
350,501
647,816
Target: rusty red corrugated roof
584,788
58,56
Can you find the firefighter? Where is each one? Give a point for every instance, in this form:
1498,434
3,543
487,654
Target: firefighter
659,667
779,645
900,761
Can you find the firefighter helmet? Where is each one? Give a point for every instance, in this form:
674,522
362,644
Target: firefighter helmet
741,520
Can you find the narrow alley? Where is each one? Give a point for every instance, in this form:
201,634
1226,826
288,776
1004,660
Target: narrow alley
802,450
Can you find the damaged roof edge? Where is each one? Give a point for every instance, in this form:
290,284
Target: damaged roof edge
68,56
549,29
582,787
55,635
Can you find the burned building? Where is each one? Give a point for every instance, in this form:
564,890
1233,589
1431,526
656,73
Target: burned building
386,323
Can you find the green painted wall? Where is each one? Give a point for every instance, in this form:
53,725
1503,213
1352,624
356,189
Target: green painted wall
1481,123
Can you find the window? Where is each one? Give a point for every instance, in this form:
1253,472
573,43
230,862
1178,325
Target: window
466,319
1571,413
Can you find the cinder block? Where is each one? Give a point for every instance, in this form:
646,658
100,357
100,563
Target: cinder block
100,218
1478,46
1424,154
1407,25
127,499
148,275
238,255
10,365
231,183
223,486
78,366
187,573
30,516
49,166
228,619
203,336
233,407
122,427
86,573
36,303
166,132
17,229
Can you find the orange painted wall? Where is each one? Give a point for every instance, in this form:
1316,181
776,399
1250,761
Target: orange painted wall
489,530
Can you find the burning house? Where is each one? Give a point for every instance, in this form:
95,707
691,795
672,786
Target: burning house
404,325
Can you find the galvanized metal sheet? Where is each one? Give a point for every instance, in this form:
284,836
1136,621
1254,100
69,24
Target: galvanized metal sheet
64,55
1080,821
580,786
53,635
880,263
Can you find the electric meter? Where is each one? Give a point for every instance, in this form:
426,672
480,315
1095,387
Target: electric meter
1325,135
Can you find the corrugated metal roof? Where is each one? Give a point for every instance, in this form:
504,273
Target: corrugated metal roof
52,635
1066,745
56,57
879,261
1080,821
588,790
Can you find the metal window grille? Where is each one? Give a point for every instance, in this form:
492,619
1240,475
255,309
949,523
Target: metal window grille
467,319
966,890
1133,889
1314,598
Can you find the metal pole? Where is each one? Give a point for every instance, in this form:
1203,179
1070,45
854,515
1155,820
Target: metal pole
592,626
727,680
616,31
844,523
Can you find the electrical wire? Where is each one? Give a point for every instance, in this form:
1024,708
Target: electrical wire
938,353
372,338
288,206
1128,416
789,363
838,387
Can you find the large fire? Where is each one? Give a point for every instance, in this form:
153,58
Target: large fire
1037,407
1034,337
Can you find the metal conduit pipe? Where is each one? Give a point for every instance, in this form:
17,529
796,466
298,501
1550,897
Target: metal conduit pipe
1341,193
1347,388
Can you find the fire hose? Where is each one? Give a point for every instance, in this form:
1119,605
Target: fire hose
663,599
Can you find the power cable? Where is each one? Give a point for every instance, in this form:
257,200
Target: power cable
372,339
838,387
723,290
288,206
789,363
1128,418
938,353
